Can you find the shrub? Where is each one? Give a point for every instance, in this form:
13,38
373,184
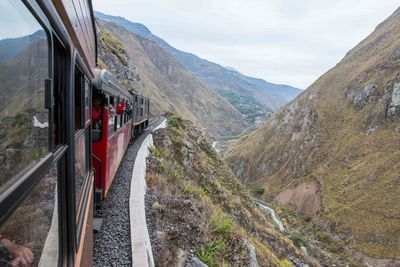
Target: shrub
208,253
222,225
162,166
155,152
176,122
298,241
187,187
175,175
258,190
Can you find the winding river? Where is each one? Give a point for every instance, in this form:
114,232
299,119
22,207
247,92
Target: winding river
271,212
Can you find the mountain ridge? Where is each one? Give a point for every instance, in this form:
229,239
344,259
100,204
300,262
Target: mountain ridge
165,81
270,95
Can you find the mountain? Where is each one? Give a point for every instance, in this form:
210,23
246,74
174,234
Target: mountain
143,65
333,152
268,95
9,48
222,226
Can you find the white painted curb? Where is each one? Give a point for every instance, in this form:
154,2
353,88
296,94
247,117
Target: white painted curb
142,255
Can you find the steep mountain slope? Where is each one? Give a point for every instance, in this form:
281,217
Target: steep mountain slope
333,152
221,226
169,86
270,96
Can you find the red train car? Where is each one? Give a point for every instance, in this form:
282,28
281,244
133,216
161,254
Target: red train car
112,130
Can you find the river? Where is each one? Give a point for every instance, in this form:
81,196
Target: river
271,212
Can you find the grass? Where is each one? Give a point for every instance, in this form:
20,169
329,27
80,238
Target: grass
191,189
221,225
298,241
176,122
155,152
211,251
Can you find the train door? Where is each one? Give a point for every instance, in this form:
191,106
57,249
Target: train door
33,82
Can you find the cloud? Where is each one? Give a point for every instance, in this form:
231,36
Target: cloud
282,41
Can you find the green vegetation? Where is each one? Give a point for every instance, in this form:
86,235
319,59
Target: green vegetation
155,152
298,241
221,225
176,122
258,190
116,47
209,252
162,166
246,105
22,118
191,189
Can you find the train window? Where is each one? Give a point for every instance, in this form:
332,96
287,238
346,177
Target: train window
34,225
87,102
81,150
79,94
111,117
24,121
81,165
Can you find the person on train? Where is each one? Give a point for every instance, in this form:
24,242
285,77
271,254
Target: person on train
121,107
22,256
96,111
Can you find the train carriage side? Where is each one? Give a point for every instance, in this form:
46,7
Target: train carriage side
45,83
141,114
111,129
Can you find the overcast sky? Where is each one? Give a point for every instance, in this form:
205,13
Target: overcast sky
282,41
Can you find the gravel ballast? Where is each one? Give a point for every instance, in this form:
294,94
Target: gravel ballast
112,244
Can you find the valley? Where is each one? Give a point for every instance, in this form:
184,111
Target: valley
316,166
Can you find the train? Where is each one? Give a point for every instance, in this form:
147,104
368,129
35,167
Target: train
64,128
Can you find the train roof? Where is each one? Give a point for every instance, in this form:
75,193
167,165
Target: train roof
104,81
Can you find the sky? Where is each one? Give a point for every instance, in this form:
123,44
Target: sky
282,41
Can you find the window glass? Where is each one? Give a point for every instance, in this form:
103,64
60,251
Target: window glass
87,103
80,166
34,225
24,125
112,118
78,98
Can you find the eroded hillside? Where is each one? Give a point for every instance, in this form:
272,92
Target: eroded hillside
198,210
333,153
162,78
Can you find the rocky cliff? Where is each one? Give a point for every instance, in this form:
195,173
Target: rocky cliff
333,152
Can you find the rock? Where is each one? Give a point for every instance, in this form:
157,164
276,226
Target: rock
295,136
166,141
195,262
395,102
173,257
371,129
304,249
361,97
29,142
252,254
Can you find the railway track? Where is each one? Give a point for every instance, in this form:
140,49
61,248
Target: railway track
112,244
